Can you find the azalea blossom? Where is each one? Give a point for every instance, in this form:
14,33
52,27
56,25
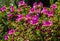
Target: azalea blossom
11,32
32,10
34,20
3,8
35,17
19,17
21,3
9,14
19,10
12,8
35,5
38,11
50,13
44,10
6,37
53,6
47,23
40,4
28,17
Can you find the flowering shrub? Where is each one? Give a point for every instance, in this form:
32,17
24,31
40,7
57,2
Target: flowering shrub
27,23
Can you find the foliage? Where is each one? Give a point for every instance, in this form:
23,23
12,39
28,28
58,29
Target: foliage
26,23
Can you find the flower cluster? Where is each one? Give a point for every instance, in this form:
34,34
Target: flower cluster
27,23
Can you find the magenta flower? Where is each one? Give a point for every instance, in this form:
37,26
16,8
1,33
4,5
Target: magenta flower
40,4
32,10
28,17
9,14
45,11
21,3
19,9
12,8
11,32
38,11
34,20
19,17
47,23
53,6
6,37
3,8
35,17
50,13
35,5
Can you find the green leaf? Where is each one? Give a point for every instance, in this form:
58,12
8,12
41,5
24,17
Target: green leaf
17,33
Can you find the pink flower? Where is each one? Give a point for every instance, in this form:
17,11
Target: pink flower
50,13
35,5
11,32
19,17
34,20
53,6
39,11
28,17
32,10
45,11
12,8
35,17
9,14
3,8
40,4
47,23
6,37
19,9
21,3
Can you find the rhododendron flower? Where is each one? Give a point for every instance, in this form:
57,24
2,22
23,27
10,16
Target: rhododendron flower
53,6
28,17
35,17
40,4
38,11
3,8
19,9
11,32
6,37
47,23
50,13
32,10
45,11
19,17
35,5
9,14
21,3
12,8
34,20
